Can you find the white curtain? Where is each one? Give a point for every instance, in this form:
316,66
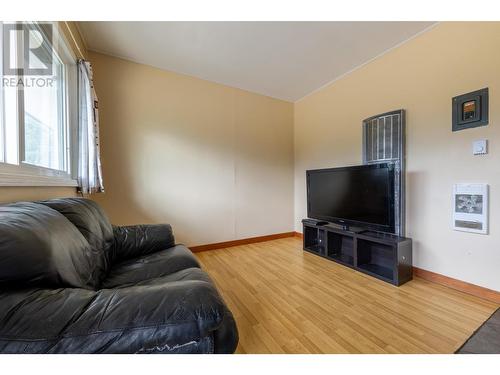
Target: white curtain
89,161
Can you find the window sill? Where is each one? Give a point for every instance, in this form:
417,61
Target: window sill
31,176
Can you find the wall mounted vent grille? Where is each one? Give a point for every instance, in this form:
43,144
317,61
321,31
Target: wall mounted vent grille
381,137
384,141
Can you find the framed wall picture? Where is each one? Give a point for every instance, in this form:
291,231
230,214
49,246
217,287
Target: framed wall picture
470,208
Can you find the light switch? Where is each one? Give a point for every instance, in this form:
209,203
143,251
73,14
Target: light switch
480,147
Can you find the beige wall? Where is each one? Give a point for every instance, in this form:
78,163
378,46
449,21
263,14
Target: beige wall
214,161
217,162
33,193
421,76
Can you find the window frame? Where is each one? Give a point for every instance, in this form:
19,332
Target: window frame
26,174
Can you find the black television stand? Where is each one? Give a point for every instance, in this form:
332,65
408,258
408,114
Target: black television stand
345,227
315,222
385,256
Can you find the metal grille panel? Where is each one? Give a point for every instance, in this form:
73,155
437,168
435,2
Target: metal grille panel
381,137
384,141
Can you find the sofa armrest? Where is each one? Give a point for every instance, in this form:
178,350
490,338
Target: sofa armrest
137,240
226,336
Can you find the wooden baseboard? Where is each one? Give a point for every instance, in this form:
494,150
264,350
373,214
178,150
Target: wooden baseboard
244,241
298,234
475,290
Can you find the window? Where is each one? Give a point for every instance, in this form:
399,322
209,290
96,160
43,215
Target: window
38,106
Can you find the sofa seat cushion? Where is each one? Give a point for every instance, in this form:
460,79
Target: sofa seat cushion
187,274
158,317
150,266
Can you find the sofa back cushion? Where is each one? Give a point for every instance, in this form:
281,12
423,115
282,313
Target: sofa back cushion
90,219
39,246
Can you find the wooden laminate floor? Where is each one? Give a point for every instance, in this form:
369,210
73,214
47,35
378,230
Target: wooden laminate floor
288,301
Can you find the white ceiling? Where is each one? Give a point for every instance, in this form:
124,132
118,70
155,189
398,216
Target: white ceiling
284,60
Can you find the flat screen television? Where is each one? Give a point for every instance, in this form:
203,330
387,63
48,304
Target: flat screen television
361,196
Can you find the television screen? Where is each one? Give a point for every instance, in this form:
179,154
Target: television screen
362,195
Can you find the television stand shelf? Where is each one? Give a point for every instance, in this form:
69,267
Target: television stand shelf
385,256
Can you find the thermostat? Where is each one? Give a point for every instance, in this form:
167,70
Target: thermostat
480,147
470,110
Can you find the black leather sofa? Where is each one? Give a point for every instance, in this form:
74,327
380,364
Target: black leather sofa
70,282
